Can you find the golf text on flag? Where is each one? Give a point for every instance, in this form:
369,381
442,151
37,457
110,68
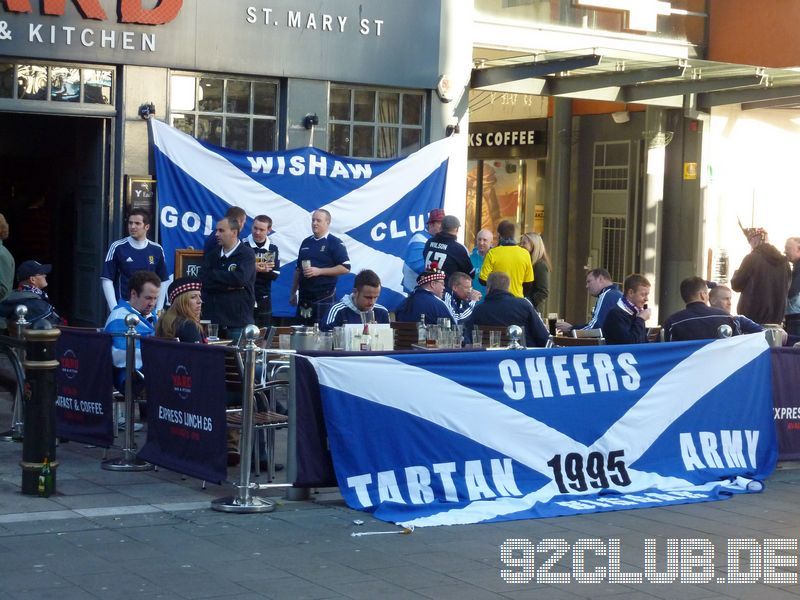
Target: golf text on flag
376,205
463,437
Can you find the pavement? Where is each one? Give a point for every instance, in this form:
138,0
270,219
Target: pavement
111,535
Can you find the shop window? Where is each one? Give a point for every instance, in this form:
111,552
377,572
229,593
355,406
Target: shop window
371,123
235,113
6,80
56,83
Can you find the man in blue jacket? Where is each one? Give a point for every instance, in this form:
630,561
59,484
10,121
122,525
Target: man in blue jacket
600,285
501,307
625,323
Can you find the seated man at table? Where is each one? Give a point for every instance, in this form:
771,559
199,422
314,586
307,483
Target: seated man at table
625,323
720,296
354,307
697,321
143,291
460,296
501,307
426,299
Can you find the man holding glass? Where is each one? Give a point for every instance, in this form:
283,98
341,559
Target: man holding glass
361,306
268,267
321,259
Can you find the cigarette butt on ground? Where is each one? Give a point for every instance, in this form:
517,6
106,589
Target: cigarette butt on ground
404,531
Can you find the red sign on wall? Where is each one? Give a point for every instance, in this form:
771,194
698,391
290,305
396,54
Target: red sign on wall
130,11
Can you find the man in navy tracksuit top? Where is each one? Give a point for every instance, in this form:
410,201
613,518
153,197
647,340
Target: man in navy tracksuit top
697,321
426,300
600,285
321,259
352,309
228,274
625,323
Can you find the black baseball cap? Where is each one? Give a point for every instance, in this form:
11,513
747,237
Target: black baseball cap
32,267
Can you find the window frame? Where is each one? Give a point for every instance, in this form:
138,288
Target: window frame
223,114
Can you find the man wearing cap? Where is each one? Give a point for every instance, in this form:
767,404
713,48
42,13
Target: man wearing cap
32,276
426,300
130,254
762,280
414,260
446,252
366,289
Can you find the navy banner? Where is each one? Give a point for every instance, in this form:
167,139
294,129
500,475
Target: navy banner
453,438
185,385
786,401
84,409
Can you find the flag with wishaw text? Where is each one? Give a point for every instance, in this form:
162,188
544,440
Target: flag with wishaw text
376,205
464,437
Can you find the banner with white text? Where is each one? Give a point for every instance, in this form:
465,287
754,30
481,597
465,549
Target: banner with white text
84,406
375,205
186,424
462,437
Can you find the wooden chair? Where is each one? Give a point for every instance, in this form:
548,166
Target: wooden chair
503,329
405,334
587,333
563,341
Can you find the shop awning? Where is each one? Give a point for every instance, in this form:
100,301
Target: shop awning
618,76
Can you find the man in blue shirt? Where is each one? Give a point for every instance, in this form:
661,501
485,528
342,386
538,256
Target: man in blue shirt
414,259
321,259
352,308
144,288
130,254
721,296
483,243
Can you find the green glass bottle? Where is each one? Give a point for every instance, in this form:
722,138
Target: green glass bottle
45,487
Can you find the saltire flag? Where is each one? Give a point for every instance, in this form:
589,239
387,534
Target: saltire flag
452,438
376,205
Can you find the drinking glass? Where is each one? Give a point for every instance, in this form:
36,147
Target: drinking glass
494,339
552,319
338,338
477,338
433,336
285,341
213,331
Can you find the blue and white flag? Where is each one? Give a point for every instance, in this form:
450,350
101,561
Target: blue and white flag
465,437
376,205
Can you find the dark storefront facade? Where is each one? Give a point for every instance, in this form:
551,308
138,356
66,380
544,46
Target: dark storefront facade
73,85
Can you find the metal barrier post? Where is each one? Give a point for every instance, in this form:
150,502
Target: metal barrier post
129,460
39,440
244,501
17,417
